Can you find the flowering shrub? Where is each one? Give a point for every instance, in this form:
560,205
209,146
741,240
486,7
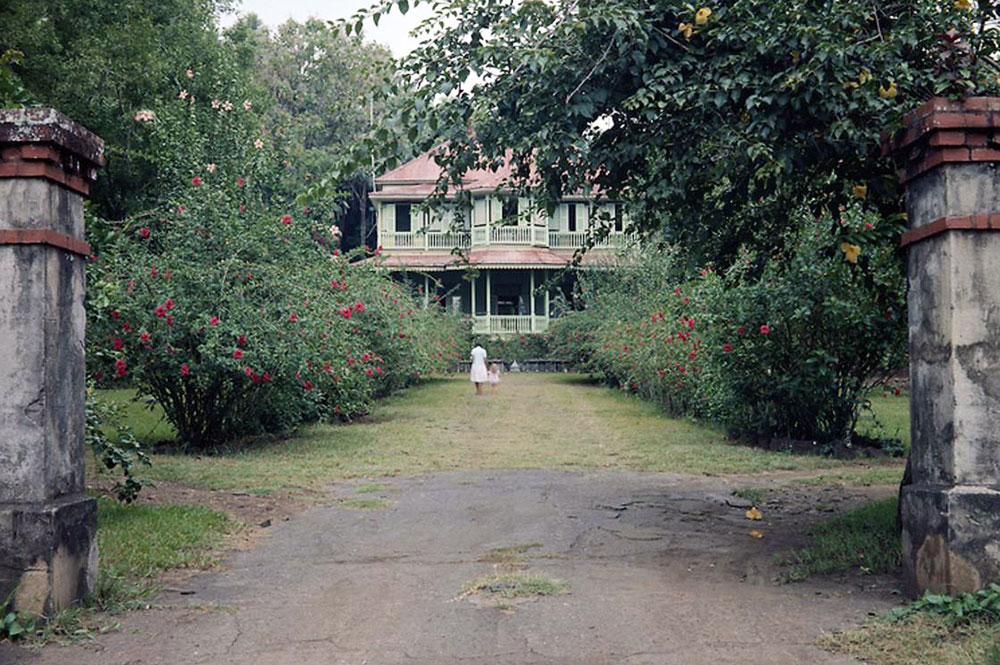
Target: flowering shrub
789,350
235,311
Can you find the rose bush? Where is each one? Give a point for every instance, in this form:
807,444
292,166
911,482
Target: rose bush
789,348
234,310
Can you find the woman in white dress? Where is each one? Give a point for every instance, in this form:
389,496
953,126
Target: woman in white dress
478,371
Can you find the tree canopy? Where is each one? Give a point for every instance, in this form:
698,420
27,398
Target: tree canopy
714,121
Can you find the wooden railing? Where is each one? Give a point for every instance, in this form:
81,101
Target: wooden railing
509,325
577,239
429,240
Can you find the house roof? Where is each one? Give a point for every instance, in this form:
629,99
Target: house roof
418,178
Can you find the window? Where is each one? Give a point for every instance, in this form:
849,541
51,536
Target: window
509,208
403,218
571,218
619,219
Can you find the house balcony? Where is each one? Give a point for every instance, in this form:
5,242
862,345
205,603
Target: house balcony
482,236
509,325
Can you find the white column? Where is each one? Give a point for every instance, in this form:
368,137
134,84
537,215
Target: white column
472,308
548,315
531,300
427,295
489,300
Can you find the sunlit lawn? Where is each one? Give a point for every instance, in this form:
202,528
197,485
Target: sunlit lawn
556,421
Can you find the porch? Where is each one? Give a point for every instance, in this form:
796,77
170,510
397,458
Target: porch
499,324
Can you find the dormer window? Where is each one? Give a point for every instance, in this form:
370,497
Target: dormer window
403,224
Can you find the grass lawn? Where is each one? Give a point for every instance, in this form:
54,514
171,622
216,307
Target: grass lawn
889,417
559,421
922,638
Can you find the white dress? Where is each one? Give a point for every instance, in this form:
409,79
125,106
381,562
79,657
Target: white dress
478,371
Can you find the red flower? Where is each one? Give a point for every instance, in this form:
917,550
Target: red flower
161,312
242,209
765,329
152,272
144,232
185,370
370,372
741,330
378,369
896,392
307,385
346,312
196,181
237,353
126,326
115,314
145,337
726,348
242,339
334,284
685,300
254,377
170,319
118,343
869,226
266,377
336,252
366,357
286,220
168,304
359,307
214,321
690,323
240,181
120,365
248,371
293,317
181,209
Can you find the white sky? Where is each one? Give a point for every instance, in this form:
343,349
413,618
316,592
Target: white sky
392,30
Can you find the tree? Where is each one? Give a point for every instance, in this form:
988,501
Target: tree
714,122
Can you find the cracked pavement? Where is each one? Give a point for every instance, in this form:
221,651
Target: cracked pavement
661,571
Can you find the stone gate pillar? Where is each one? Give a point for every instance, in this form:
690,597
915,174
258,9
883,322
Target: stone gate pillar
48,527
949,152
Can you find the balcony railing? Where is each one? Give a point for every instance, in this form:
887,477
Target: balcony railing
576,240
509,325
538,236
430,240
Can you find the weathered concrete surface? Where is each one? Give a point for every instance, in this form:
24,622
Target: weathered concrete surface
48,544
661,571
951,513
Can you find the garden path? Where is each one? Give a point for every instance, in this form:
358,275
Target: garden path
661,569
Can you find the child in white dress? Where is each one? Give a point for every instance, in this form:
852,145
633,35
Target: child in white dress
494,375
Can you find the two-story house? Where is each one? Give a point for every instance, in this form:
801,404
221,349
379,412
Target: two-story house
513,258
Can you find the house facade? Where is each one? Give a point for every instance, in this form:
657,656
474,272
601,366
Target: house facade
510,272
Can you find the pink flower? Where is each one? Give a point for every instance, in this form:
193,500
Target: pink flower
266,377
144,233
227,106
248,371
145,337
214,321
182,94
685,300
247,105
378,369
765,329
181,210
293,317
370,371
336,252
240,181
210,168
144,115
286,220
126,326
118,343
196,181
189,73
366,357
215,103
346,312
238,354
258,144
359,307
185,370
334,284
168,303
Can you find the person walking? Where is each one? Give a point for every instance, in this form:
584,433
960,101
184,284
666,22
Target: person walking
478,372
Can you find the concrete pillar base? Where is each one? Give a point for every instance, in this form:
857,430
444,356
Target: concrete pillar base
949,538
48,553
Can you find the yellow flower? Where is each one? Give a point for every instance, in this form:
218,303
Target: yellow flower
864,76
963,4
851,252
860,191
849,84
756,534
888,93
754,514
701,18
687,29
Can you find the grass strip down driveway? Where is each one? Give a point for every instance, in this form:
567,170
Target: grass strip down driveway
533,421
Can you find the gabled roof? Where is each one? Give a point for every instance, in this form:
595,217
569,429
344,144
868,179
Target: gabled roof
418,178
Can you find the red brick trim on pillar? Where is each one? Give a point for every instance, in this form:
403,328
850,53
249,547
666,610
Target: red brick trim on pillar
946,132
43,143
44,237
